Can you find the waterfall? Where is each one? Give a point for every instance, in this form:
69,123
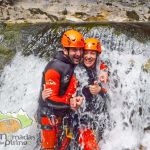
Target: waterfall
128,88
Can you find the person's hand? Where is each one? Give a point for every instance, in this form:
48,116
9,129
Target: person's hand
79,101
73,103
95,88
76,102
46,93
103,77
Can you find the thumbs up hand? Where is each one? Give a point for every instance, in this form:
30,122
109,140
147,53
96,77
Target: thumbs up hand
103,77
46,92
95,88
76,102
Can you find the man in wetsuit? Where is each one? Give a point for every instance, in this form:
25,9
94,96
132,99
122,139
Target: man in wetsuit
58,76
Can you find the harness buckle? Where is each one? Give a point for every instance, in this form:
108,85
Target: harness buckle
53,119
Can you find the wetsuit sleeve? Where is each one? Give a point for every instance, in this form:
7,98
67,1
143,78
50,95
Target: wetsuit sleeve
71,90
52,80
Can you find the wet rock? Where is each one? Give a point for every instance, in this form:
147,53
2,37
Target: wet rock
80,14
142,147
103,16
17,14
132,15
6,2
147,129
50,11
109,4
65,12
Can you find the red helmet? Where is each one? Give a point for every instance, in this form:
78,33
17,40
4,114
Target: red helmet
93,44
72,38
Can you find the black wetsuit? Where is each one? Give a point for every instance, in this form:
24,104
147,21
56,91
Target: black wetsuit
95,105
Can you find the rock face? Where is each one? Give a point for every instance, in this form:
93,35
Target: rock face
78,11
6,2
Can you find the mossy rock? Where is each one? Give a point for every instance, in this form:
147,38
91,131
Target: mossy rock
80,14
97,18
12,34
6,55
132,15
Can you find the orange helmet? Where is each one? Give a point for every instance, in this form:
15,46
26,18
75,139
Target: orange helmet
72,38
93,44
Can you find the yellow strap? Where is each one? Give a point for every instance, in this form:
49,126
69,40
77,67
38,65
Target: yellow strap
69,134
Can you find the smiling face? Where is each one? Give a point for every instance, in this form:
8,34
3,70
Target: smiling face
75,54
89,58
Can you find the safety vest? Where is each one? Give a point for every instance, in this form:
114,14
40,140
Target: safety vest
62,65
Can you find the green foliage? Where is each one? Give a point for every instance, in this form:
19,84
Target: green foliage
6,55
12,33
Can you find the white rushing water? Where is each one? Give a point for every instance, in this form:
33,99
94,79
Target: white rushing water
20,89
129,91
130,97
